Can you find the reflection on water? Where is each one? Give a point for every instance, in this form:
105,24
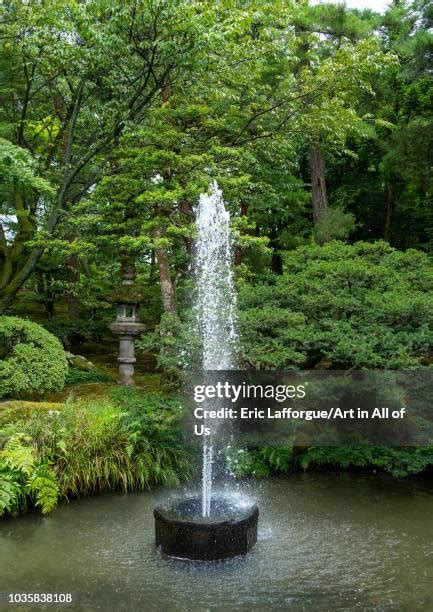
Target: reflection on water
326,542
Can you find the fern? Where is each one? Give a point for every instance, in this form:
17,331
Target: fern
279,458
10,491
22,477
18,456
44,486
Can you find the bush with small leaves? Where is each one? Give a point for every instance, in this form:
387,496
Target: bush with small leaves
364,305
31,359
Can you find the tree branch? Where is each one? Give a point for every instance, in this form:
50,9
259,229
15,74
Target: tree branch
73,123
270,109
29,82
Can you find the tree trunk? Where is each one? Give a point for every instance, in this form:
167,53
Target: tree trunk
3,243
239,253
9,291
152,272
188,212
48,297
165,280
318,183
276,259
73,268
166,283
390,210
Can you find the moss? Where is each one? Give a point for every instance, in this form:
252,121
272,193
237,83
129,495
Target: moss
29,406
126,294
16,410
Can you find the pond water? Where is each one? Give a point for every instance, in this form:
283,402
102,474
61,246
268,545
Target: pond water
326,542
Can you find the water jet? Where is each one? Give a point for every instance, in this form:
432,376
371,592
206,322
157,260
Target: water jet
210,527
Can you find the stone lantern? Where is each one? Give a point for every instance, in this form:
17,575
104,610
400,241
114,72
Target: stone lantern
127,324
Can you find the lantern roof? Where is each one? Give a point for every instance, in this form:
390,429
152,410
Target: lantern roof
126,294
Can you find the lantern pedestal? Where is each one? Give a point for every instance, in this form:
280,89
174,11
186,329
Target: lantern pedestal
127,333
127,324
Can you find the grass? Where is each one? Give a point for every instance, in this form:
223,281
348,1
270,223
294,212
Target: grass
128,441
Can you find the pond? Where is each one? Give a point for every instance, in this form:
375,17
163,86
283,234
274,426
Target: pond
326,542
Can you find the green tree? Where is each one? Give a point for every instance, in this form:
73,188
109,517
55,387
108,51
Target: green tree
387,183
339,58
74,76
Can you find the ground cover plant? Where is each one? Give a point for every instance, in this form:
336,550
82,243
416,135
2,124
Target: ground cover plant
88,447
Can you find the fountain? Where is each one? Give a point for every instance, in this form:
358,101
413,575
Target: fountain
210,527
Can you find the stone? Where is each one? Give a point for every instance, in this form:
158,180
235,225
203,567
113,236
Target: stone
127,333
79,362
127,324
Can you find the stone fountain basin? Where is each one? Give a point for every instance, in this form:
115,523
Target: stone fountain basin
182,532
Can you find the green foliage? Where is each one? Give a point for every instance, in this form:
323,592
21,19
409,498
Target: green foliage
43,488
247,463
109,132
388,183
399,462
260,462
18,167
174,344
25,478
340,306
174,94
10,491
95,454
335,225
129,443
33,360
279,458
77,93
153,423
77,331
77,377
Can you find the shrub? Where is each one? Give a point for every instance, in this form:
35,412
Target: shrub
130,443
76,377
76,331
399,462
262,461
153,422
32,359
96,453
364,305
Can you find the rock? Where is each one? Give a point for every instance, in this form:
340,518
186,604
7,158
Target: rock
79,362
